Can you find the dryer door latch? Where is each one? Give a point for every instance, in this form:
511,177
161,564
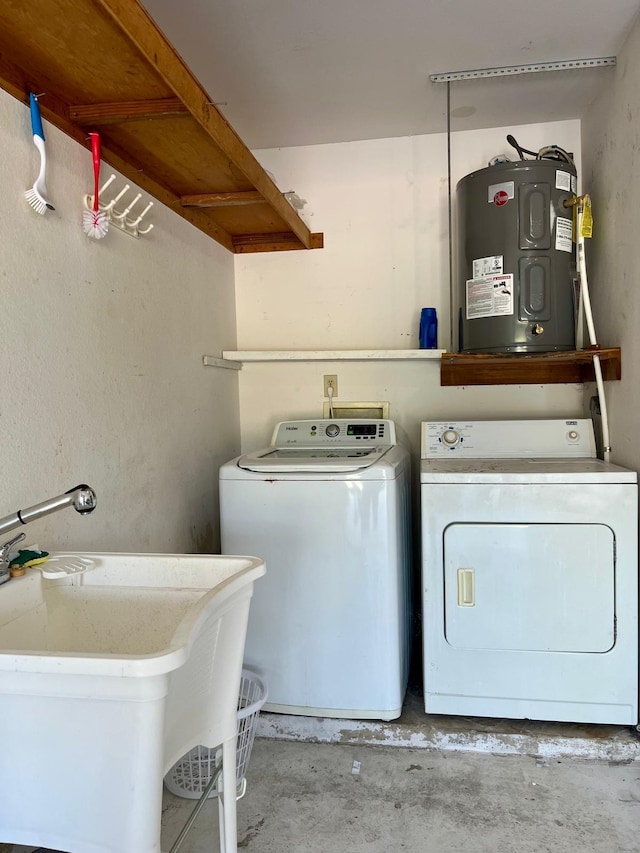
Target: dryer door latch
466,592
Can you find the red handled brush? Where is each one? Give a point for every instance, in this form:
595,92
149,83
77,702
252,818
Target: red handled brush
95,222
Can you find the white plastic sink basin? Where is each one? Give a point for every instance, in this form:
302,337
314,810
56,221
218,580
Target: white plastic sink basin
106,679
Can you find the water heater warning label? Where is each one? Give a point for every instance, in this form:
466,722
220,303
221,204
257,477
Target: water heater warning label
492,265
489,297
564,231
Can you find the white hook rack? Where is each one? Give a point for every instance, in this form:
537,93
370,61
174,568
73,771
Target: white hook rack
121,219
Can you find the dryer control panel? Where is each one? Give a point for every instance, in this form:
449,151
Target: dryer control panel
332,432
508,439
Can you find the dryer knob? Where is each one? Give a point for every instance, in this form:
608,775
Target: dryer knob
450,437
332,430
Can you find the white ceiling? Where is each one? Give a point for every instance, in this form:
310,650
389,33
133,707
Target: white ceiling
301,72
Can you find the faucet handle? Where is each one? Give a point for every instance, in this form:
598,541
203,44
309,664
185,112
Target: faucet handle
5,548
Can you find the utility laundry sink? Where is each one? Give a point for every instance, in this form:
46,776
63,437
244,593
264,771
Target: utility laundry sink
108,677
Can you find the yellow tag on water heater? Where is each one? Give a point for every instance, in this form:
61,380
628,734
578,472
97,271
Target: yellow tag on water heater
586,223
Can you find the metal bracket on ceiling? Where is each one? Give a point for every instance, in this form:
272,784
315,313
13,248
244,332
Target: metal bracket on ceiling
562,65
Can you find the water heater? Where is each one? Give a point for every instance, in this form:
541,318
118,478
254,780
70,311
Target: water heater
516,258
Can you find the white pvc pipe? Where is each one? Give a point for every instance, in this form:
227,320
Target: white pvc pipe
597,367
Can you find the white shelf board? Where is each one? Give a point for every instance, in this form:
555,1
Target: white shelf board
334,355
213,361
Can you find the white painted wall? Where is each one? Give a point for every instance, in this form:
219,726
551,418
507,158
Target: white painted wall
382,206
611,146
101,356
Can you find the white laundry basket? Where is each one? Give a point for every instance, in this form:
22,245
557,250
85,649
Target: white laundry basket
192,773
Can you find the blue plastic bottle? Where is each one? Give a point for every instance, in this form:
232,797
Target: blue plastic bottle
428,329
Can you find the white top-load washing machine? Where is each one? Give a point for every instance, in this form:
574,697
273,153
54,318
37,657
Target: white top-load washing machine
327,506
530,573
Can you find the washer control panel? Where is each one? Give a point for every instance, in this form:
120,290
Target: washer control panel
340,432
450,437
508,439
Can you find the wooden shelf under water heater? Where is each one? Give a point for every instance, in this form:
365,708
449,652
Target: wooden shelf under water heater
528,368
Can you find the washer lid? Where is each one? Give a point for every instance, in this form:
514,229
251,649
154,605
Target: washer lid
523,471
280,460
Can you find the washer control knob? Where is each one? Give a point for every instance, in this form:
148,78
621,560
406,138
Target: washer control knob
573,435
332,430
450,437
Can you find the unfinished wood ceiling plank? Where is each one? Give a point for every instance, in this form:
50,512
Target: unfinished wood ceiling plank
222,199
56,112
158,126
235,219
143,32
180,154
121,161
80,49
272,242
98,114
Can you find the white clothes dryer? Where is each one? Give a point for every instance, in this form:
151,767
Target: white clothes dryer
530,573
327,506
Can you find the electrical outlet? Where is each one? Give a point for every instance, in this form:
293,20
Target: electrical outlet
330,381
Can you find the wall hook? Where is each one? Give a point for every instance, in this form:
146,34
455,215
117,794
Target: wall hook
121,219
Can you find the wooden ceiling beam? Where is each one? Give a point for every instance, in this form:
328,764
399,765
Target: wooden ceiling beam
138,26
223,199
121,161
97,114
18,83
143,154
284,241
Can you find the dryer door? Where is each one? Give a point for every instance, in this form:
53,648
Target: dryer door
530,587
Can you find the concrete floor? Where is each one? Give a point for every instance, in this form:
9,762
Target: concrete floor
350,798
307,797
425,784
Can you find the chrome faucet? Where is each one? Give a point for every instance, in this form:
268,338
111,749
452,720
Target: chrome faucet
82,498
5,550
